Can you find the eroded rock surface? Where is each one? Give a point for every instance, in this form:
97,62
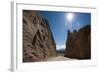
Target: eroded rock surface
78,44
38,41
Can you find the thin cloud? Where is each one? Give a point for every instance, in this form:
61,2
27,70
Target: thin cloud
61,47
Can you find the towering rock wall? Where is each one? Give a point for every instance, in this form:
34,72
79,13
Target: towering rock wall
78,44
38,42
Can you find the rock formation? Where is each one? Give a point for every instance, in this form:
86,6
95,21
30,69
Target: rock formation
38,41
78,44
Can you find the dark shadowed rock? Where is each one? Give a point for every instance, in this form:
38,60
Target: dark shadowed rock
38,42
78,44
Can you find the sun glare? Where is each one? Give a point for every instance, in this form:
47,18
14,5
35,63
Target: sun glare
70,16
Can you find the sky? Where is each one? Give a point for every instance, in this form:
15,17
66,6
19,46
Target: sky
60,23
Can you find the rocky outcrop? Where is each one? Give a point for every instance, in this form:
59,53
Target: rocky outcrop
78,44
38,42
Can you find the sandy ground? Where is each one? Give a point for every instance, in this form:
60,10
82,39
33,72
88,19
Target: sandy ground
59,58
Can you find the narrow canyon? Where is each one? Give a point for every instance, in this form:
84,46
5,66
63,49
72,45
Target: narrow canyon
39,43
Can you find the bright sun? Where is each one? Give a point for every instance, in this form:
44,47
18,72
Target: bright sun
70,16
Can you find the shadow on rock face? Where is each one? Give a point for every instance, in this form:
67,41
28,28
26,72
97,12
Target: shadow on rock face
78,44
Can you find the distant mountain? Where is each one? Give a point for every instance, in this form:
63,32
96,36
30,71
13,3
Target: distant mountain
61,50
38,42
78,44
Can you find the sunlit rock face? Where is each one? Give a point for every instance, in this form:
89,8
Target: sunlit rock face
38,42
78,44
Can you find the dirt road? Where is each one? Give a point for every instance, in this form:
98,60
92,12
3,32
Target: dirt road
59,58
